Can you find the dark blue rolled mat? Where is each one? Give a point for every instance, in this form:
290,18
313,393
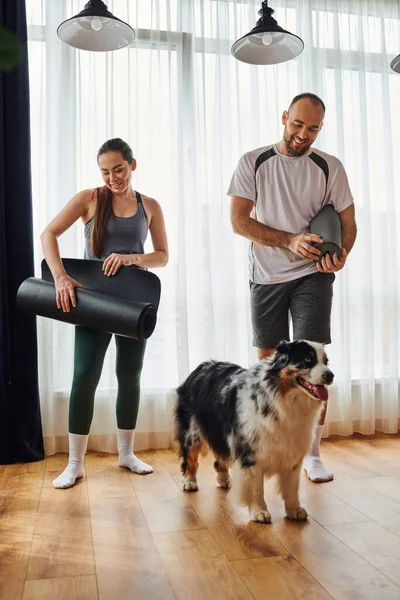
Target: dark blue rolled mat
132,283
125,304
327,224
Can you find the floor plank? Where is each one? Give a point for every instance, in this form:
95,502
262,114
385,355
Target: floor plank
337,458
368,458
14,559
280,577
20,491
83,587
127,563
369,501
385,444
107,480
340,570
196,567
389,486
326,508
377,545
163,503
62,543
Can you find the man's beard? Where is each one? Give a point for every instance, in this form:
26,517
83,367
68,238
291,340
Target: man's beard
292,151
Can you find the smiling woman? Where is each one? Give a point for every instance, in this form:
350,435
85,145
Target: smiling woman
115,241
116,221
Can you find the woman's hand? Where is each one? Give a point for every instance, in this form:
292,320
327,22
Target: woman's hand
65,291
114,262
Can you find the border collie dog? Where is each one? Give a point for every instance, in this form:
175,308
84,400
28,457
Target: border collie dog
260,420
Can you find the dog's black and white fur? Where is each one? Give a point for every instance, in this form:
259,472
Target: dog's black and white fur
261,420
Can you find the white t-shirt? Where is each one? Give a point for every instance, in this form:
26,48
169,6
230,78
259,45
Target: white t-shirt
287,193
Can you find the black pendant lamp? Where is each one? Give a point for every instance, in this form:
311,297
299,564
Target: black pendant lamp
395,64
96,29
267,43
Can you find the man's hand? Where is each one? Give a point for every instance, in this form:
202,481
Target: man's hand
301,245
114,262
329,266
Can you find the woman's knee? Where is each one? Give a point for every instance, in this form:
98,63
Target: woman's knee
128,378
86,376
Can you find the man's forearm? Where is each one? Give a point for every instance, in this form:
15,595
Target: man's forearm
349,234
262,234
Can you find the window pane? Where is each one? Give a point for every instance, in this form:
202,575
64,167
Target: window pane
372,34
36,12
392,36
322,26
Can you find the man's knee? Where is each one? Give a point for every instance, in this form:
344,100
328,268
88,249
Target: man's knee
264,352
322,417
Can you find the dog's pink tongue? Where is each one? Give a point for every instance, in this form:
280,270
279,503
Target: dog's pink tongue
321,392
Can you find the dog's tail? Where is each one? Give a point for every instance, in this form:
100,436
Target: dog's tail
182,405
172,411
181,417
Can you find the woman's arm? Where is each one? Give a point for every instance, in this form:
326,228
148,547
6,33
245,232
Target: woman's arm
77,207
157,258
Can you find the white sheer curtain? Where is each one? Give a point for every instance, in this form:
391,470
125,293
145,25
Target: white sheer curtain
189,110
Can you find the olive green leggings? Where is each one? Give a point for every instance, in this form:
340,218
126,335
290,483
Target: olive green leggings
90,350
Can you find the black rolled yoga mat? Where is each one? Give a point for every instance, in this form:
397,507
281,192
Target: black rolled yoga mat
327,224
132,283
125,304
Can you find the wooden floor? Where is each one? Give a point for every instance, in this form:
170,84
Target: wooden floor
117,535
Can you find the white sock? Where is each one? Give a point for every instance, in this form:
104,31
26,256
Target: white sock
74,469
315,468
126,456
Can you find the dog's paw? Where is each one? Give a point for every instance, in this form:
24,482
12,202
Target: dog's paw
297,514
189,485
224,481
260,516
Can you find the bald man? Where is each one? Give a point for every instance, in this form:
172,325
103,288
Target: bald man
275,192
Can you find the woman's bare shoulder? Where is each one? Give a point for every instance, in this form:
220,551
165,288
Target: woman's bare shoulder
150,204
88,198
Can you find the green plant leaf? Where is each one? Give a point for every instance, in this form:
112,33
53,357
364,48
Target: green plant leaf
11,49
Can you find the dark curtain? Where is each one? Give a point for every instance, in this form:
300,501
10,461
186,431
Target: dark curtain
20,424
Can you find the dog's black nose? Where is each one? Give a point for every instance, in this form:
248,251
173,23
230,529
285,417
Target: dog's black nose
328,376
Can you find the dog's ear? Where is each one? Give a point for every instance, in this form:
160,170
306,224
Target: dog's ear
281,357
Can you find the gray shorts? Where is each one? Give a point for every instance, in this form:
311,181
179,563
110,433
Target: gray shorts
308,300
